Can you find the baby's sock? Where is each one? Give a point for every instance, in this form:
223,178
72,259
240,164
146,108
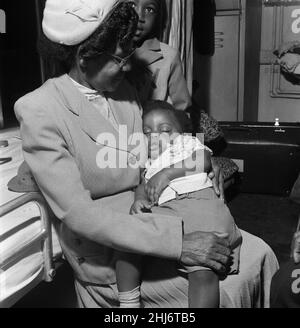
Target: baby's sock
130,299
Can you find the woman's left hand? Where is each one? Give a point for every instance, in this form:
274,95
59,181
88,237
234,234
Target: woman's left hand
217,180
156,185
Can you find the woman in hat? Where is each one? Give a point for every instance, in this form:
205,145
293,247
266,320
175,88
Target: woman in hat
78,133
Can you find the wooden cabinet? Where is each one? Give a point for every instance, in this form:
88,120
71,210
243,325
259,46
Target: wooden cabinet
223,5
225,81
222,75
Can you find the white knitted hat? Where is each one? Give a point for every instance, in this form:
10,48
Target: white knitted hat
70,22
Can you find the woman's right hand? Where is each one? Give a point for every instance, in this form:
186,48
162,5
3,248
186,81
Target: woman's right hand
206,249
139,206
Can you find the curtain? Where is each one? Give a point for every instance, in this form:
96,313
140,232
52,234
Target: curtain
178,33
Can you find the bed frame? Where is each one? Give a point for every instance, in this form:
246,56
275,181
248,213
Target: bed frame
44,238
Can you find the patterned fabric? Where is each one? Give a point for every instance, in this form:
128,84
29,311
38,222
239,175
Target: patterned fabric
182,148
213,136
227,165
210,127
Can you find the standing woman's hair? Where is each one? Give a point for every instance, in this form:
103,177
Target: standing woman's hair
118,29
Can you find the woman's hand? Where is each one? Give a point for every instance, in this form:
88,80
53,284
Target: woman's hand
296,247
289,62
139,206
156,185
217,180
206,249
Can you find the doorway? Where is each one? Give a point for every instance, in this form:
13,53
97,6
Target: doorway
20,69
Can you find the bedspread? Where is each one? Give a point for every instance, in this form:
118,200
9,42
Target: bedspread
18,228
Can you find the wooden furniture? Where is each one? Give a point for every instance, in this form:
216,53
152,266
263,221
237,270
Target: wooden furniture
29,248
220,76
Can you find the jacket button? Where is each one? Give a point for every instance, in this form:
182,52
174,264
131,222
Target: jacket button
80,260
132,160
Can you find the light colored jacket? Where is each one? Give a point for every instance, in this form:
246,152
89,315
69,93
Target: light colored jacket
158,75
59,129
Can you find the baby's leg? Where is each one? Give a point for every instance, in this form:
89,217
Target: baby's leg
204,289
128,273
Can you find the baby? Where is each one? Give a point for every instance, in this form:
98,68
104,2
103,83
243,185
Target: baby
175,181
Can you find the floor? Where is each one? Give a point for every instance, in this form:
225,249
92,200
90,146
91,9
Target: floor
272,218
58,294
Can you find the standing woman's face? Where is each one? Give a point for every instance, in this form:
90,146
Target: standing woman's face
105,72
148,12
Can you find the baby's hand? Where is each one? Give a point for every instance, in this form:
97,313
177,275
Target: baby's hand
156,185
140,206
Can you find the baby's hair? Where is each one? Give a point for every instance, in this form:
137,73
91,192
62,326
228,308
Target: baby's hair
180,117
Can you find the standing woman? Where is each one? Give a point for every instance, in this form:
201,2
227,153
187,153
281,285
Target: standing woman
64,125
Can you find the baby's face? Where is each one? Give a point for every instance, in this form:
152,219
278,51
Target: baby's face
148,11
160,128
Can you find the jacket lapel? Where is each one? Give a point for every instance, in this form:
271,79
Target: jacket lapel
123,105
91,121
149,52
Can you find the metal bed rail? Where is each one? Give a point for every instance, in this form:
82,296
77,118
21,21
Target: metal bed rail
44,236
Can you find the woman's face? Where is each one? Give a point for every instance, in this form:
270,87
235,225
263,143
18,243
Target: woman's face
148,11
106,72
160,128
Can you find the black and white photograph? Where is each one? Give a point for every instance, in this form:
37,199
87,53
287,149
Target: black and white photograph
150,157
